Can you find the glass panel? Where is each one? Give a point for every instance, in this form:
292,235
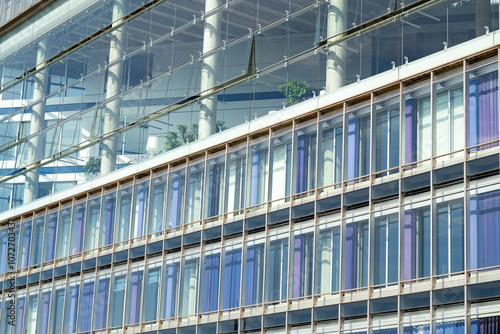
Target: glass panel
92,223
301,264
175,198
158,202
24,245
31,310
77,227
150,302
64,232
189,285
416,130
56,310
386,135
170,290
482,106
101,302
215,186
235,180
140,207
330,151
356,255
85,305
37,240
50,236
71,307
257,173
123,214
385,252
277,268
134,296
194,192
209,281
449,116
357,145
281,166
484,230
4,241
117,300
416,242
449,237
107,219
328,258
43,311
20,310
305,159
253,272
231,277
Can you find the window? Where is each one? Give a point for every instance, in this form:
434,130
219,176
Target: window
158,202
194,196
484,229
357,143
235,180
449,237
24,244
257,173
417,126
71,307
328,258
64,232
134,296
107,218
385,238
277,268
386,135
50,236
448,116
56,310
482,106
209,281
92,223
253,272
356,254
281,166
305,159
170,289
150,302
123,213
416,242
77,227
85,306
215,186
175,197
189,285
31,310
301,267
37,240
43,311
117,300
101,302
231,277
330,151
140,209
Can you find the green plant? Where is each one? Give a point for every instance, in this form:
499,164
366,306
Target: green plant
296,91
184,135
92,166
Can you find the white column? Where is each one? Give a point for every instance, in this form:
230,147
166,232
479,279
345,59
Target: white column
336,58
37,124
113,87
208,109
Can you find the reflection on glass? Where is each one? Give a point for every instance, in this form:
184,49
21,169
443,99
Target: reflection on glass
328,258
357,145
64,232
140,209
24,245
449,237
385,249
417,125
158,202
134,296
416,242
305,159
386,134
170,289
194,192
56,310
281,166
92,223
301,264
123,214
37,240
189,286
101,302
50,236
209,281
71,307
175,198
107,219
77,227
330,152
117,300
257,173
277,268
215,187
150,302
356,255
85,305
231,277
235,180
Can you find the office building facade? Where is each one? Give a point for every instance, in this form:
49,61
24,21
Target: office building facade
237,166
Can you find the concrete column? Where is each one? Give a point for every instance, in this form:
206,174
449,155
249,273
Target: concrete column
336,58
208,109
113,87
37,124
